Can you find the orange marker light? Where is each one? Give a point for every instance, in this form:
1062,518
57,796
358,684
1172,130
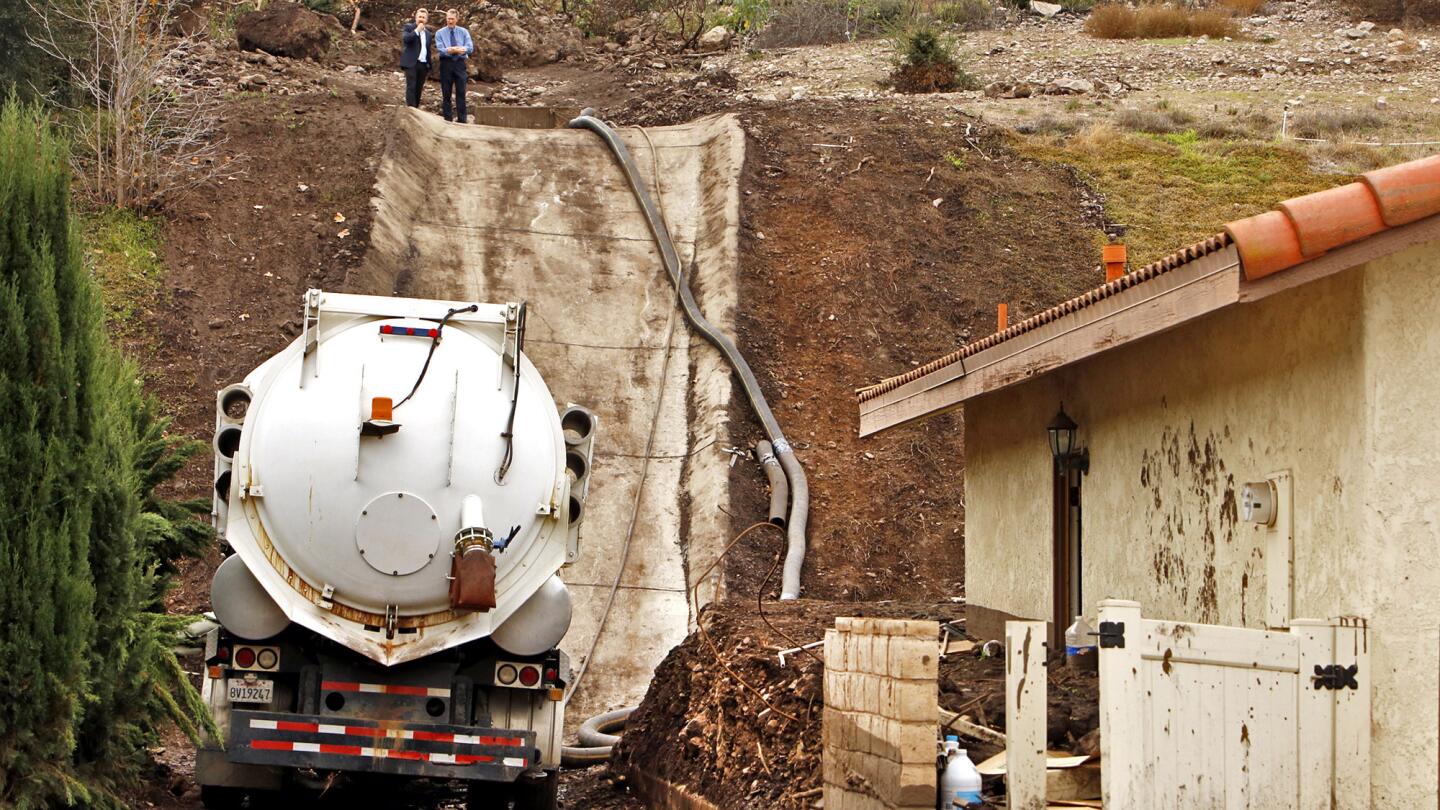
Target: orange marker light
1115,258
381,409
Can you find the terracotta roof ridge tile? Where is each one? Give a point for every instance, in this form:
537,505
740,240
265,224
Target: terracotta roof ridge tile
1177,259
1298,230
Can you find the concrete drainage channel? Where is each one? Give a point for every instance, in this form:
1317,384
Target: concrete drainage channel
546,216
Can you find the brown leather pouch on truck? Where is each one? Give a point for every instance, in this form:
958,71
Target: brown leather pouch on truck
472,578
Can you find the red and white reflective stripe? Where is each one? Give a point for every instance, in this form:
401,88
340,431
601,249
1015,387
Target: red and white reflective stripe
385,689
382,753
393,733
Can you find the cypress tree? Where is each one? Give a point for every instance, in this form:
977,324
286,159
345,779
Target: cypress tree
50,328
85,543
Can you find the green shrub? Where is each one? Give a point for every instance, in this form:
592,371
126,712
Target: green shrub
925,63
747,15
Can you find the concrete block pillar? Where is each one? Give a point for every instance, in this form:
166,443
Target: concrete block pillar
879,729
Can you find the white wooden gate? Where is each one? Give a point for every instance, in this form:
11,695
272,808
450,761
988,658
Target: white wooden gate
1202,716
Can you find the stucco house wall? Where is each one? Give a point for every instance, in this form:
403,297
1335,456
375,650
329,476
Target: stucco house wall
1337,381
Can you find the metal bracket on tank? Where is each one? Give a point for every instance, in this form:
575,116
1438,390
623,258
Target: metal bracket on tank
510,346
310,331
392,619
327,597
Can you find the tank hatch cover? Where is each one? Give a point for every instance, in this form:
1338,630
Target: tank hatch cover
397,533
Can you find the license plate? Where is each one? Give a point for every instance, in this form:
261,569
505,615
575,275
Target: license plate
258,691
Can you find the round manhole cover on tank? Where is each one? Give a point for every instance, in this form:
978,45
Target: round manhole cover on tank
397,533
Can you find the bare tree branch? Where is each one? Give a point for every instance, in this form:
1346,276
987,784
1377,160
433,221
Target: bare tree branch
146,133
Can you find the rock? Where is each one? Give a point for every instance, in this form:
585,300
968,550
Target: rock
1045,9
283,29
1355,33
1070,87
995,89
716,39
1394,34
720,77
252,82
1381,103
503,39
784,94
353,69
1366,26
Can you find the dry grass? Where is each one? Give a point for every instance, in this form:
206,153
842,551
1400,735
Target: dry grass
1242,8
1213,23
1160,21
1155,122
1111,22
1173,190
1332,123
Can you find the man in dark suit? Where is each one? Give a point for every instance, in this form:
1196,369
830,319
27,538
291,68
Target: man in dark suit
455,47
415,56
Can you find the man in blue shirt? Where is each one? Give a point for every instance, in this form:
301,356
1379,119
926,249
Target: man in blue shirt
454,46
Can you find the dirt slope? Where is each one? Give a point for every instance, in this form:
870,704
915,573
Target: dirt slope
875,238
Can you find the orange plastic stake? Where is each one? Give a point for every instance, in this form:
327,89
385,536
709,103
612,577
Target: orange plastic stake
381,409
1002,317
1115,257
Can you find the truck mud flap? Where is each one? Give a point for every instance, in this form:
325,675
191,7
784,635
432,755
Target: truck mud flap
353,744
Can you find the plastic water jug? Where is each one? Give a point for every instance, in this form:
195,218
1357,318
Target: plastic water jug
1080,649
960,783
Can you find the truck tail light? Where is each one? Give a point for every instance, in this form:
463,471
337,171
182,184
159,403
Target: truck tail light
551,676
505,674
267,658
529,676
244,658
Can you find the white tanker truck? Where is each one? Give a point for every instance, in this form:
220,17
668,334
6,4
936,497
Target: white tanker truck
399,491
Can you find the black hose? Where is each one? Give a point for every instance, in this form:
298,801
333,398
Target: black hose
596,741
779,492
799,487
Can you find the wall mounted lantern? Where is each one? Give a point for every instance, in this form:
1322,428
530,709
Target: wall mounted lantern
1062,431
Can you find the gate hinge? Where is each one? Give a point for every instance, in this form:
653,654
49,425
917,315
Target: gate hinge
1335,676
1112,634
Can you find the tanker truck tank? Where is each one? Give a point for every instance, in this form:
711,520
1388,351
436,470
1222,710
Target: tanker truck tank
399,492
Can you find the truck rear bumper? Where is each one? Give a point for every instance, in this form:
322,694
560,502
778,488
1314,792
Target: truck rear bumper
409,749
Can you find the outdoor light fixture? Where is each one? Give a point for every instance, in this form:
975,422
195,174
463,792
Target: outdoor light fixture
1062,443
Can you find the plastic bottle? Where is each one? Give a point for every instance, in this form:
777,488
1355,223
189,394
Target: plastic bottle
1080,649
960,783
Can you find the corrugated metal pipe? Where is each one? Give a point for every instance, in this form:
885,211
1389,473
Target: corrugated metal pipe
794,473
779,492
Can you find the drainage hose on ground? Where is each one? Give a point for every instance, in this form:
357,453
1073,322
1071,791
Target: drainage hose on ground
799,488
596,741
779,492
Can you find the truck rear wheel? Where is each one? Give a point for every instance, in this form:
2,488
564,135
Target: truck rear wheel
540,793
488,796
215,797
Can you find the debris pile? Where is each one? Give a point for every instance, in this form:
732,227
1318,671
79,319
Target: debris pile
729,721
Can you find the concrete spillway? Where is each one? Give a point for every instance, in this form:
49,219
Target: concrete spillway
545,216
